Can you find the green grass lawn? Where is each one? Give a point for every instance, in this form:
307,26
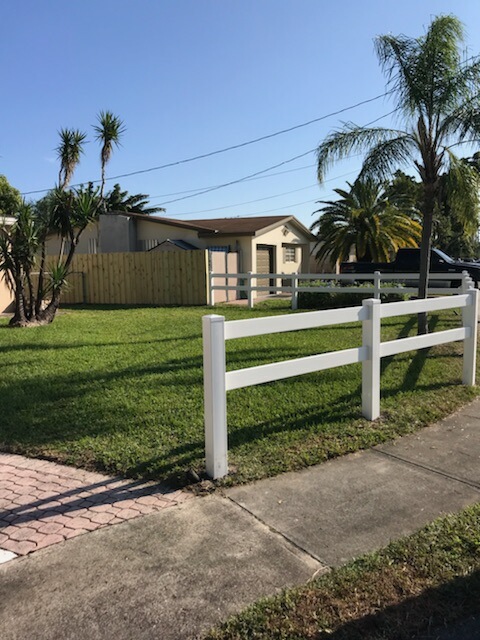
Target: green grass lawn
121,390
407,590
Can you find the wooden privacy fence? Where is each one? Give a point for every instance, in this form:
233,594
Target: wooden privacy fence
217,381
153,277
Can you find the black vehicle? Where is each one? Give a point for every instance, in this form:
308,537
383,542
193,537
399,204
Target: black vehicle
408,261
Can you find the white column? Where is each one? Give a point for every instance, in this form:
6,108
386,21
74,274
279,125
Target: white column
376,285
249,290
211,293
215,397
294,292
371,366
470,320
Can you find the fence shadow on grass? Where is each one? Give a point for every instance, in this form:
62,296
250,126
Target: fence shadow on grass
427,616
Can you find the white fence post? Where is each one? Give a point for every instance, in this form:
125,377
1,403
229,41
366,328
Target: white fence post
371,366
249,290
376,285
215,396
470,320
211,292
294,283
467,282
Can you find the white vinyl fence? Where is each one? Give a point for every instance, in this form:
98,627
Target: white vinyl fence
247,283
217,381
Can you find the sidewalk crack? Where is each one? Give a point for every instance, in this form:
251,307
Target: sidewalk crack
296,547
419,465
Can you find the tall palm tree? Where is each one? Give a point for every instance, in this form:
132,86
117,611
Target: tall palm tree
438,100
109,132
365,219
69,152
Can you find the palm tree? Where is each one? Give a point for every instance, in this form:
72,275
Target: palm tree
68,152
438,101
109,132
118,200
365,219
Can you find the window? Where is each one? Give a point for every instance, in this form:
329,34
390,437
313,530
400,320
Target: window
92,245
289,254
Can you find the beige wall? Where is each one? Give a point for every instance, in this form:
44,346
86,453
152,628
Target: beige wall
6,298
91,232
286,235
224,263
161,232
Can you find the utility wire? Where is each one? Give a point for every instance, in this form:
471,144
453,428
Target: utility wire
277,195
232,147
277,173
275,166
228,184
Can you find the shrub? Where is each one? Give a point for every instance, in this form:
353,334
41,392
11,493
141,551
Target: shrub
334,300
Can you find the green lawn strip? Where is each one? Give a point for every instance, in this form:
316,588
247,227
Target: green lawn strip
417,584
121,390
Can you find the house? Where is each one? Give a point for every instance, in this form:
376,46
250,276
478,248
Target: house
263,244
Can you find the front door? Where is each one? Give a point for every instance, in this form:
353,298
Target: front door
265,264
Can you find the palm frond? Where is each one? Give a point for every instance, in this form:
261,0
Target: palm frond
340,144
366,221
69,152
387,156
463,184
396,56
108,132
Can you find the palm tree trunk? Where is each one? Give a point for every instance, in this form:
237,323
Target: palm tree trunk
102,186
38,303
47,315
426,243
19,318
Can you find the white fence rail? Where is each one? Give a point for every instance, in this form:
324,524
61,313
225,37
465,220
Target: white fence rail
377,282
217,381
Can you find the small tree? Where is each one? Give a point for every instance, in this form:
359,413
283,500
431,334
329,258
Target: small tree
10,198
66,212
63,212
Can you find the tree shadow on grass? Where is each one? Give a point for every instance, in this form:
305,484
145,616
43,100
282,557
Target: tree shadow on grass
427,616
417,363
29,346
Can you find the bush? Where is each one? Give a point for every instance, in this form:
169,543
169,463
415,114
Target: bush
333,300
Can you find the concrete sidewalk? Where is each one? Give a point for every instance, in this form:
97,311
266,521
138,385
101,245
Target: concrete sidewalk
174,573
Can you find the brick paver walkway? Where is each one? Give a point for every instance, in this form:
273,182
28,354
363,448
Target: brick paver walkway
42,503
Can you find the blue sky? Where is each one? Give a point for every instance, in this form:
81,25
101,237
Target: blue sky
193,76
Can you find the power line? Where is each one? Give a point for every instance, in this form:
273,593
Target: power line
278,173
228,184
288,206
238,180
277,195
230,148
